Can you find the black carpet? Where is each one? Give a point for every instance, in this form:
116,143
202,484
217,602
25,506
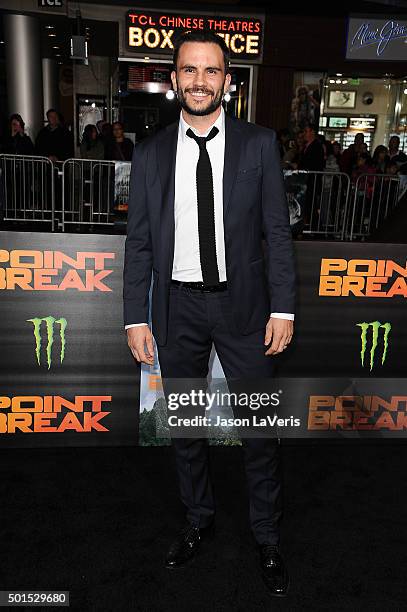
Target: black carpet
97,522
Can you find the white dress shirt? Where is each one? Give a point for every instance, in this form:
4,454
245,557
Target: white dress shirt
186,265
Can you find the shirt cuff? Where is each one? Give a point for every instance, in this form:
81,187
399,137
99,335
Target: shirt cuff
134,325
282,315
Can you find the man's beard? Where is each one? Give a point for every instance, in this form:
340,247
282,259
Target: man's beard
198,112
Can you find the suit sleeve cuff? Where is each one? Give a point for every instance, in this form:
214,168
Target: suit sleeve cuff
282,315
134,325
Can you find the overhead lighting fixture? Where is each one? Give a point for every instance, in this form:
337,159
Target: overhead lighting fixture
227,97
49,27
52,35
344,82
332,80
170,95
339,74
405,91
146,57
1,42
55,47
93,105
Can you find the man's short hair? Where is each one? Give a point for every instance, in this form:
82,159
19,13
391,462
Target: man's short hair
206,36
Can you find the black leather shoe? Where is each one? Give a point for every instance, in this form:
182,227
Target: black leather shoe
274,573
184,548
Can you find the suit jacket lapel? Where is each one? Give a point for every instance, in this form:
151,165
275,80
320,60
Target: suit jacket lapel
232,156
166,155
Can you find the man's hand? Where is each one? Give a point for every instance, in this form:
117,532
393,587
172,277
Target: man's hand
279,332
138,338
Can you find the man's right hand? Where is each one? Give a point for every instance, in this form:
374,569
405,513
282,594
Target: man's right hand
139,338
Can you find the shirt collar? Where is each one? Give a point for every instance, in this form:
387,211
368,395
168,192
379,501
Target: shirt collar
219,123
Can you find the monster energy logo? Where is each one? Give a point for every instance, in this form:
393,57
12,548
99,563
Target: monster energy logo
49,321
375,326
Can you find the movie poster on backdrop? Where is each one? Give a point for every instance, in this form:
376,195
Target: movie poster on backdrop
67,375
121,186
305,105
153,410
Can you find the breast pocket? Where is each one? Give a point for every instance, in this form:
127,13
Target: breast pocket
248,174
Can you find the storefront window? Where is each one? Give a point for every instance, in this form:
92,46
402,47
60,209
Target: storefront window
372,106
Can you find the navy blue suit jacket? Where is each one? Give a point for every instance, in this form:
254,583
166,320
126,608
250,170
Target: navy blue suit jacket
260,280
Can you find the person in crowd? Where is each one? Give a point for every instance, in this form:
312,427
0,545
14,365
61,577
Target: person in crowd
291,158
331,160
283,137
337,151
329,186
349,156
304,108
92,146
119,148
99,126
54,140
18,143
380,159
312,157
395,155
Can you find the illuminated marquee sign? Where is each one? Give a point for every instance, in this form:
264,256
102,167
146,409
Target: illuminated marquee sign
376,39
149,32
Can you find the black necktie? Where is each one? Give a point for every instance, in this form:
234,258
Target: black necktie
206,210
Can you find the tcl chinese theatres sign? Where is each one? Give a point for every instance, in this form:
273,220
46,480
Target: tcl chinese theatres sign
157,31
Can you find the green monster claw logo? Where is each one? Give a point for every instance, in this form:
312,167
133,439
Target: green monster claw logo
50,336
375,326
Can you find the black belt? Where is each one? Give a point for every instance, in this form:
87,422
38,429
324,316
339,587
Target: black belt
199,286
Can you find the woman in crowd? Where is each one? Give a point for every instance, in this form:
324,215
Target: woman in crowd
18,142
91,146
119,148
380,159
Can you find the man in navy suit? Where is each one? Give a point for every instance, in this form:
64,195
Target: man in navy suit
204,193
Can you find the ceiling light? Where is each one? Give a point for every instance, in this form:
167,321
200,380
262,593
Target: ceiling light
55,47
338,81
93,105
344,82
332,80
52,35
170,95
405,91
49,27
339,74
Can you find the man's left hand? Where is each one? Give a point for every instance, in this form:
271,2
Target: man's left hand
279,332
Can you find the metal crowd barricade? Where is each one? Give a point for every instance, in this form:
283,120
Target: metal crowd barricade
373,198
27,189
88,190
321,198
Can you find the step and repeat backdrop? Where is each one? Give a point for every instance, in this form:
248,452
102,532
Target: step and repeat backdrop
67,376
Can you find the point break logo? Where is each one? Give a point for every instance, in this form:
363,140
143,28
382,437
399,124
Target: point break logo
29,270
377,278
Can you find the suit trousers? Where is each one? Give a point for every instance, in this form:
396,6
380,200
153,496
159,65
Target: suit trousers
196,320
